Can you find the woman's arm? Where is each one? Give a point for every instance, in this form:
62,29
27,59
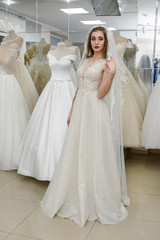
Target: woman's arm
108,72
70,113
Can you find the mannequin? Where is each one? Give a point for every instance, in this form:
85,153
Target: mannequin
39,68
61,51
12,37
28,88
118,38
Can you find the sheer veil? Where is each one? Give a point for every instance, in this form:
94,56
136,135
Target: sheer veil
113,100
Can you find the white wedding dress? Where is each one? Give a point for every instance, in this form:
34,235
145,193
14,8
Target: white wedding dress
151,124
14,113
133,101
86,183
45,133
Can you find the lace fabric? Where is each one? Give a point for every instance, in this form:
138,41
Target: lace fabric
8,63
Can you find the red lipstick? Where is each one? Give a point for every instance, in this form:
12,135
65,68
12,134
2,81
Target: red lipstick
96,47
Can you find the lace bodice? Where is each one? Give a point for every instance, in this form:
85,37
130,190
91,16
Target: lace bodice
121,47
41,53
89,79
122,69
7,65
61,68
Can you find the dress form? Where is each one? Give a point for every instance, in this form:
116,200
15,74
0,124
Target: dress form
118,38
12,37
61,51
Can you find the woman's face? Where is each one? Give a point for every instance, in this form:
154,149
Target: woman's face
97,41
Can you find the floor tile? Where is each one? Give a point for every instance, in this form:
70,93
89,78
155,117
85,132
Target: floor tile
8,172
16,237
25,188
129,229
143,175
3,235
4,179
144,207
40,226
13,212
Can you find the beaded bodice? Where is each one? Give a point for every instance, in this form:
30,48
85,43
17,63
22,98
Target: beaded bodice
7,63
88,79
123,71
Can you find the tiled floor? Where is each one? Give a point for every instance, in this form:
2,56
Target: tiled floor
21,217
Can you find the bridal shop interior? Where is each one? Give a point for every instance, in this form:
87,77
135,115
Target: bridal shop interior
42,45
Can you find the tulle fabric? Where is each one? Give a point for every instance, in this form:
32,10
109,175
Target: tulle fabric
26,83
151,124
14,115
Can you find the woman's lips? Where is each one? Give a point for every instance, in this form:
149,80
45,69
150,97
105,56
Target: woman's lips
96,47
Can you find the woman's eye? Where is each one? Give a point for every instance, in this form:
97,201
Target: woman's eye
93,39
101,39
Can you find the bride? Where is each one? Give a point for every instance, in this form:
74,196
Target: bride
87,184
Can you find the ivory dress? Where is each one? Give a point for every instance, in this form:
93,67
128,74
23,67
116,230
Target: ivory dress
45,133
133,102
86,183
14,113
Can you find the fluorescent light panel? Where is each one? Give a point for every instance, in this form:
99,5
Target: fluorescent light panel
8,2
111,28
94,22
74,10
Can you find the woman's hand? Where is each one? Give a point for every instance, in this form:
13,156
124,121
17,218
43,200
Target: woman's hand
108,72
110,65
69,117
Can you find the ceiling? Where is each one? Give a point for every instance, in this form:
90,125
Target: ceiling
48,12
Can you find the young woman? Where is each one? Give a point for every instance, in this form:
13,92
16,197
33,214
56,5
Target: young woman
86,184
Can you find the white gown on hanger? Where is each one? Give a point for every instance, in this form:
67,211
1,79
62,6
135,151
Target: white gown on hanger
151,124
86,183
133,102
45,133
14,114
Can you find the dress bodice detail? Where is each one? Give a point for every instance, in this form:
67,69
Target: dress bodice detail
122,68
8,65
61,68
89,79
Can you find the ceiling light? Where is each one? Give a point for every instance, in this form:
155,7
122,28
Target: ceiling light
94,22
111,28
74,10
8,2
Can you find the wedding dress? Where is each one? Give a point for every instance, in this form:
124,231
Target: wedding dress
151,124
129,58
86,183
45,133
22,75
14,112
133,102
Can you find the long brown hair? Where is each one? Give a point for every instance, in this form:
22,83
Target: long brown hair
90,51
